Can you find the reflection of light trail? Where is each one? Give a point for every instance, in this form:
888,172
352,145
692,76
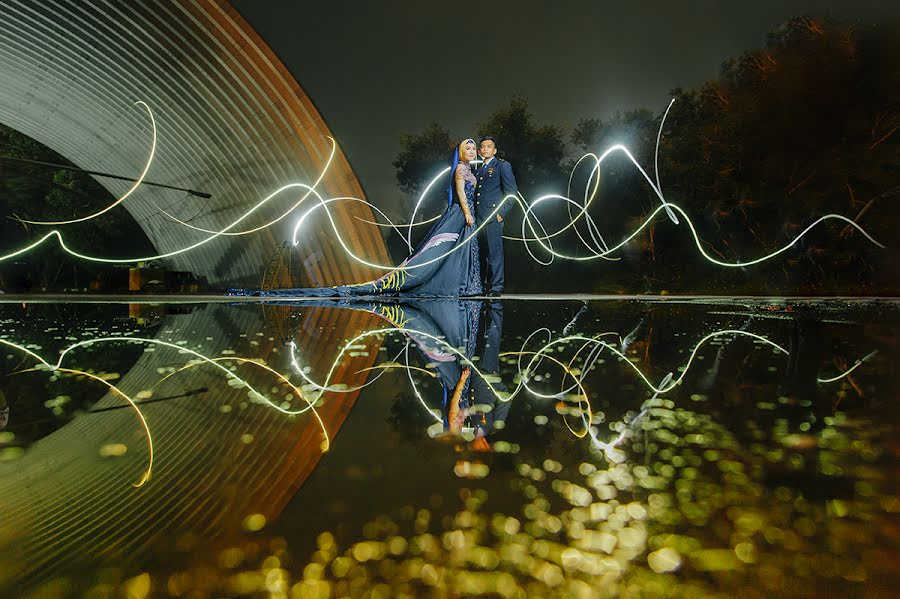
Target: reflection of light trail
582,394
536,358
371,333
324,388
259,363
393,365
116,390
181,349
671,384
203,358
856,365
137,182
543,353
609,448
436,414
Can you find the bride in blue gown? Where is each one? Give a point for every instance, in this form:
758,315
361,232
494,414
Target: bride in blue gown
445,263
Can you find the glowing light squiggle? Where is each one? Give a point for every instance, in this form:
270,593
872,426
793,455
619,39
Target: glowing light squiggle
182,349
310,190
667,385
258,363
136,184
598,247
117,391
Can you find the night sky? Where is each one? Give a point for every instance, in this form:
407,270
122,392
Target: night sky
377,69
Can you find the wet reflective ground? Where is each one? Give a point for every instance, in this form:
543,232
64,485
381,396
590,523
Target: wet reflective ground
517,448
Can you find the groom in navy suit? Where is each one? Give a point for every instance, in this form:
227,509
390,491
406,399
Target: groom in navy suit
495,182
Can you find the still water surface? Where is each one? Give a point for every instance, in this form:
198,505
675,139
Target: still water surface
514,448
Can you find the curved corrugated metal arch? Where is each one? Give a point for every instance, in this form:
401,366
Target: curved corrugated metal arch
232,121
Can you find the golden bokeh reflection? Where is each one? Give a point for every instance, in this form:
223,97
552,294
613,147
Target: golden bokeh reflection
678,461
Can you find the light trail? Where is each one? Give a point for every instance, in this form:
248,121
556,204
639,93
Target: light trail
537,357
324,388
656,158
597,247
856,365
131,190
260,364
310,190
398,226
436,414
182,349
323,203
421,199
117,391
610,446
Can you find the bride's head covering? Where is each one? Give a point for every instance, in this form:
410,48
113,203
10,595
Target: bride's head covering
454,162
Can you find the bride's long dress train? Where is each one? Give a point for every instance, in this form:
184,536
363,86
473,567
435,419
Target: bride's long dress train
424,273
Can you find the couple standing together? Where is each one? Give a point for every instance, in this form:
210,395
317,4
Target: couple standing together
448,262
492,180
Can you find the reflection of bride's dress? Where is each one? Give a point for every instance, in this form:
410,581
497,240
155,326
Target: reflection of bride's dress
424,273
452,336
474,329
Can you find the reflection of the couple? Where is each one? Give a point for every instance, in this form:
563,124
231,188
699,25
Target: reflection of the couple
473,405
470,405
459,341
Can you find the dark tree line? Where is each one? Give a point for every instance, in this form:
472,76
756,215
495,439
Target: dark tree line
805,126
539,150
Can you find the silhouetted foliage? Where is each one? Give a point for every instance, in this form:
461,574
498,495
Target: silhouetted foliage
804,127
536,151
40,193
424,155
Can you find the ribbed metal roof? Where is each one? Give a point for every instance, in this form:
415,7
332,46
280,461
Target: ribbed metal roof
232,121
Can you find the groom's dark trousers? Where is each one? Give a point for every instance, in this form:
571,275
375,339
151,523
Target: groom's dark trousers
495,181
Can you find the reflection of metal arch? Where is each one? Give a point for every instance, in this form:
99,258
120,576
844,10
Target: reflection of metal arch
65,507
232,121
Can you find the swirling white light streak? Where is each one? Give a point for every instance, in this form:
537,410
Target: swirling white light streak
260,364
536,357
531,222
310,189
214,235
131,189
204,359
610,446
325,388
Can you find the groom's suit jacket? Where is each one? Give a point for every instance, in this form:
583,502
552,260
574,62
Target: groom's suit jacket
495,182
